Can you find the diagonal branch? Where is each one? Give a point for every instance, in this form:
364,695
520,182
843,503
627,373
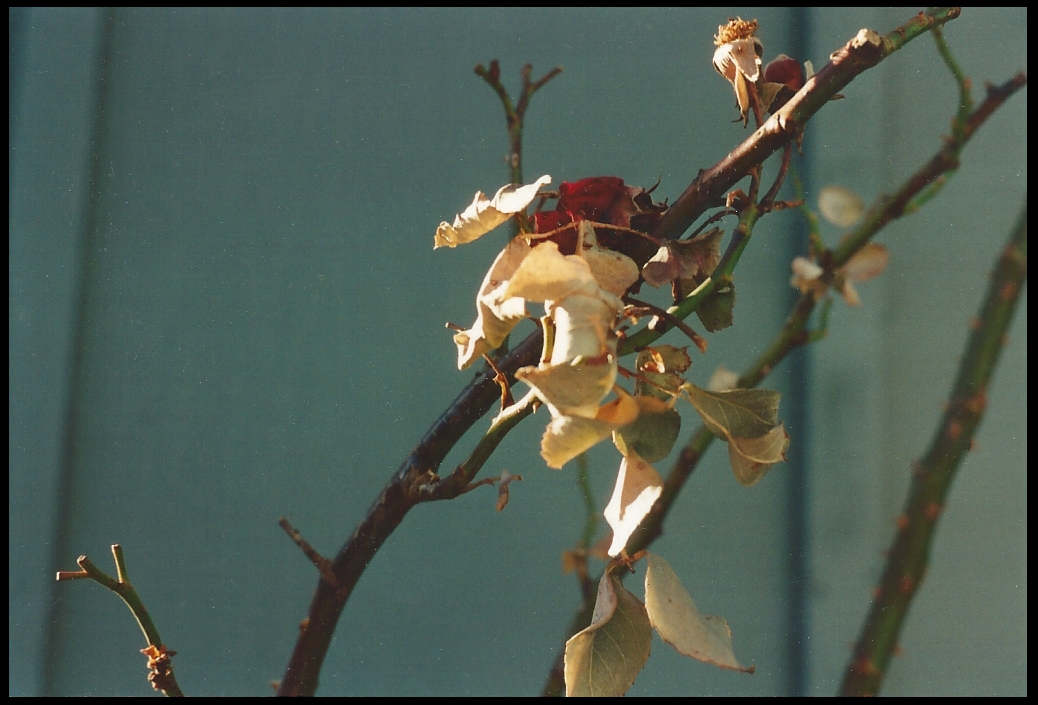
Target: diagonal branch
402,491
932,477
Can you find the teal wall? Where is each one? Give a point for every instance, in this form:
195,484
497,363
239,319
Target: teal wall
224,308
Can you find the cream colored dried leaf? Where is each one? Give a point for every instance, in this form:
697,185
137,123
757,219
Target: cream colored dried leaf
566,437
496,315
614,271
638,486
483,215
572,388
584,326
705,637
549,275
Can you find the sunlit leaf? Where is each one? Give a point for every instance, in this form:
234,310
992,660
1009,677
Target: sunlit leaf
638,486
566,437
572,388
497,315
673,614
604,659
718,311
840,205
751,458
584,325
738,58
548,275
484,214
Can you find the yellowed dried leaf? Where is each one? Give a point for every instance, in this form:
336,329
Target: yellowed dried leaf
483,215
548,275
572,389
566,437
705,637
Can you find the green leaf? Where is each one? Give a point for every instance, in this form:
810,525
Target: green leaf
604,659
737,413
673,614
718,311
652,436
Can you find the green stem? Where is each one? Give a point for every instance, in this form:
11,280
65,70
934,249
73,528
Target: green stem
165,682
933,475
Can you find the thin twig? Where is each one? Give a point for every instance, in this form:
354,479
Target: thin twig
700,341
323,565
160,667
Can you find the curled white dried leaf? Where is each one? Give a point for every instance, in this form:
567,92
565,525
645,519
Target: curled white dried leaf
840,206
806,276
638,486
484,214
584,326
496,315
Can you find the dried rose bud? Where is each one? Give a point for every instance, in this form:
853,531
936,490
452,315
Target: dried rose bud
738,59
788,76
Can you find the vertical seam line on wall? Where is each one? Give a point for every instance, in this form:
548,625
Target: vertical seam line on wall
89,235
